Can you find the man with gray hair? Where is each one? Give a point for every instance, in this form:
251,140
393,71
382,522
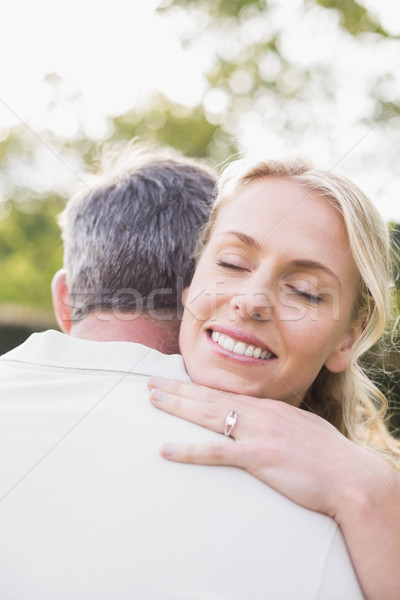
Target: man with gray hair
88,508
129,240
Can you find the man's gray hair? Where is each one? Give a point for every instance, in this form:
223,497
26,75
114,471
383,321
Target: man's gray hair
130,233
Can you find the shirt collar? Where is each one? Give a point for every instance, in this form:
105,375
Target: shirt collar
54,349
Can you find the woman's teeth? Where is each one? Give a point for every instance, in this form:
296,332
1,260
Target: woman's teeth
239,347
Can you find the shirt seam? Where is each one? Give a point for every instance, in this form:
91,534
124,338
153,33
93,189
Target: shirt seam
68,368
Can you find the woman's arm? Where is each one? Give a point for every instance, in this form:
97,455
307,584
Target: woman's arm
306,459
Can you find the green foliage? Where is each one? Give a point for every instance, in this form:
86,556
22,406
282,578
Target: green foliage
354,17
172,124
219,9
30,252
253,73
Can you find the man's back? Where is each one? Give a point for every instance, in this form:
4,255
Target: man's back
90,510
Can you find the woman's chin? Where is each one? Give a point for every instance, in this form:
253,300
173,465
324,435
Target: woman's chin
227,381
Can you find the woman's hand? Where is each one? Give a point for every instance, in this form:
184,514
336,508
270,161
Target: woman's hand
296,452
306,459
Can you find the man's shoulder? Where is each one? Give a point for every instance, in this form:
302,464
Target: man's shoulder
53,349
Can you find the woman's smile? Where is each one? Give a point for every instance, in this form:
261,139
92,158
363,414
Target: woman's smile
239,345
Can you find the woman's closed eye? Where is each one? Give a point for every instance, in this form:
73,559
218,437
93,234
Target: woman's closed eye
310,297
227,265
233,264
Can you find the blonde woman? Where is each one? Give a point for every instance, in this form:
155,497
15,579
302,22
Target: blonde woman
291,288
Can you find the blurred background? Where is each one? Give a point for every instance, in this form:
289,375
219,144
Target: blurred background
214,79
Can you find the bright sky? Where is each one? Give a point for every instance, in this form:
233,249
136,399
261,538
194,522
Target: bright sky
116,53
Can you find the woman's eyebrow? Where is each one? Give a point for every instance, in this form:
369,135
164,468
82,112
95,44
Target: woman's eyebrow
312,264
243,237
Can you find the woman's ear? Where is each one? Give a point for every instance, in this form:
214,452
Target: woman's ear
61,303
339,359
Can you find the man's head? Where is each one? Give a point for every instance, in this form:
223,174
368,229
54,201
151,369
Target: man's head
129,238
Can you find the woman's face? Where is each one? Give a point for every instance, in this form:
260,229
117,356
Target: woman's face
271,299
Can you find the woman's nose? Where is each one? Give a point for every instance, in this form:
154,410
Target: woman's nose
257,305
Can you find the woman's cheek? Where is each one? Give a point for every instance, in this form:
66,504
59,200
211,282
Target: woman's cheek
202,302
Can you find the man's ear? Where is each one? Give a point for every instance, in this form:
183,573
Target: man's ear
340,357
61,303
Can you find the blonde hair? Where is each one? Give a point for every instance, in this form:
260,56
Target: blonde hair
349,400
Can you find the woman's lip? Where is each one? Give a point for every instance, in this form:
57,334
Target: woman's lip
241,336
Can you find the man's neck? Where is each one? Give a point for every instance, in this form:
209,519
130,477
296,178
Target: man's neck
161,335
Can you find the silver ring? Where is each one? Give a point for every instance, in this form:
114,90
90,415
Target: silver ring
230,422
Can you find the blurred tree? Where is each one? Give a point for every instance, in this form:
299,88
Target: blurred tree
354,17
264,81
30,251
171,124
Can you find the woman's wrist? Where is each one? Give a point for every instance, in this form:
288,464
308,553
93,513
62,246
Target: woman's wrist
369,518
368,493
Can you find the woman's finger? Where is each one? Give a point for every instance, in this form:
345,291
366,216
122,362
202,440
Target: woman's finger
198,392
223,453
207,414
183,388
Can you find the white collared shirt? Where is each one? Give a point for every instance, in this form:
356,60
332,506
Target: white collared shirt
89,509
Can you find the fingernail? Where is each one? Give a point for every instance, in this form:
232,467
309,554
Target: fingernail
156,382
167,450
158,396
